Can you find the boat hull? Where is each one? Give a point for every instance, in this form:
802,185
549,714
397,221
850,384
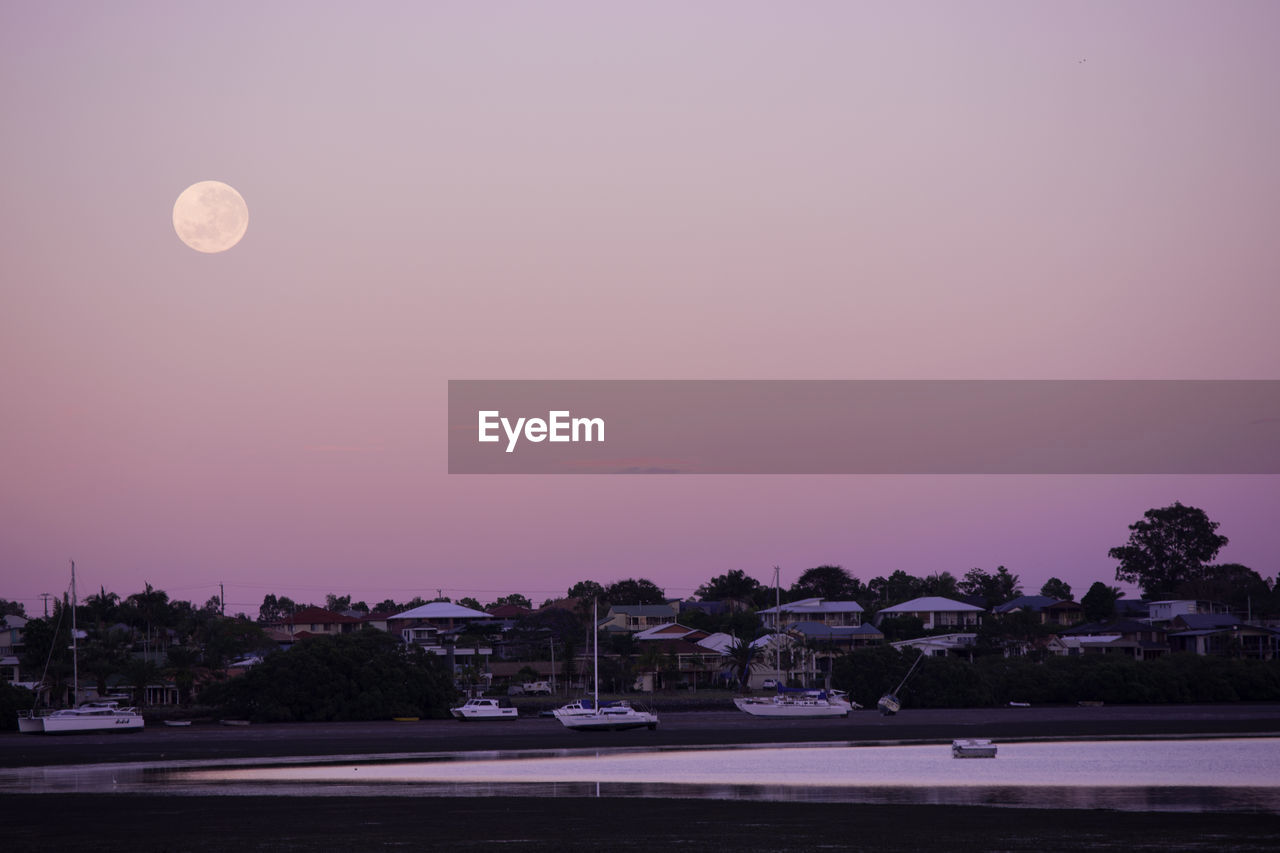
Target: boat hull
973,749
609,722
792,709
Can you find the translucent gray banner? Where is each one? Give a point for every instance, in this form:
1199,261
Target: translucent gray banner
864,427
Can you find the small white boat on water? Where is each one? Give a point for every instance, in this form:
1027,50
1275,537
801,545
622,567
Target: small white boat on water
591,714
972,748
483,709
100,716
797,703
608,717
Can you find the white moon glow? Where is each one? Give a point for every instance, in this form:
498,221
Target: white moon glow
210,216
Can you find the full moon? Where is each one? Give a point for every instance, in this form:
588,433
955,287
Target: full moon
210,216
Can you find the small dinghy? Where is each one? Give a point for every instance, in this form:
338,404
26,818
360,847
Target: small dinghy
177,723
972,748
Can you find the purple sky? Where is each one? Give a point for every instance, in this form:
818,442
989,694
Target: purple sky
582,190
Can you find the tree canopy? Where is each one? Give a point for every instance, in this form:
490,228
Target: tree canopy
1167,548
832,583
634,591
1055,588
994,587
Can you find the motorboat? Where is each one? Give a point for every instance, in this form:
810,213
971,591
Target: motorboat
483,709
99,716
972,748
790,702
593,715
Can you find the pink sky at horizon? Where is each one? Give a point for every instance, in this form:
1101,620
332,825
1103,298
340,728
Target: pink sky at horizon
569,190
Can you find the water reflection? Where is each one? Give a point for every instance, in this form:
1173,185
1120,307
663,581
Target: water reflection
1169,775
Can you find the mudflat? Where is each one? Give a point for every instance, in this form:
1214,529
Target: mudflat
688,728
143,823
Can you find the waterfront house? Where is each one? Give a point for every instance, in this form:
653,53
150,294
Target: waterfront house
935,612
313,621
835,613
1222,634
636,617
942,645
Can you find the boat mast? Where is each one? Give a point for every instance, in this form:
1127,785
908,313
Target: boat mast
777,620
75,655
595,649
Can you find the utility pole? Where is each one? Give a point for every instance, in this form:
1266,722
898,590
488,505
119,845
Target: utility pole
222,599
46,596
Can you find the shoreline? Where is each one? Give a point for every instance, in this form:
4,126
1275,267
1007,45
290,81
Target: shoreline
677,729
146,822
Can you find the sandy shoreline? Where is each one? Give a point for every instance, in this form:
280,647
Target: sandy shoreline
140,822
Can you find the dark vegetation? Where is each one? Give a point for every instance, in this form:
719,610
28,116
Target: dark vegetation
948,682
363,676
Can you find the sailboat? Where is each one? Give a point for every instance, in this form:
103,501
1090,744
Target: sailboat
587,715
889,703
103,715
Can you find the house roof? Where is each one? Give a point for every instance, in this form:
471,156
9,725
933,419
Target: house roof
441,610
932,604
718,642
1034,603
642,610
817,605
822,631
669,631
1202,621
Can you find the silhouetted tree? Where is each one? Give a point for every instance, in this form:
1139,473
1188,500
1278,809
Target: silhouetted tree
1169,547
1055,588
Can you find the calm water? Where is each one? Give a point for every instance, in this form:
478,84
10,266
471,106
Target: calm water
1197,775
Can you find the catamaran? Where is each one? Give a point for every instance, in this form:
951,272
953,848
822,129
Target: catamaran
590,715
797,702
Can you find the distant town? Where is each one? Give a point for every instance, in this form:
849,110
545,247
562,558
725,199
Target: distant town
1201,631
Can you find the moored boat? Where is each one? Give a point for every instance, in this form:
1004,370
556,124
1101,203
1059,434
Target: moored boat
103,715
483,709
592,715
972,748
790,702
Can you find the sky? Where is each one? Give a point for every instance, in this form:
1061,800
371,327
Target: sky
719,190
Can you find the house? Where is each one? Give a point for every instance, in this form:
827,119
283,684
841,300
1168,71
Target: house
824,643
431,624
687,664
1128,637
508,612
1221,634
935,612
1062,613
941,645
836,637
671,631
1166,611
1048,611
314,621
636,617
844,613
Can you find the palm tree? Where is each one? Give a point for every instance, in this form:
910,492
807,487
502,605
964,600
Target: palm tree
182,663
743,658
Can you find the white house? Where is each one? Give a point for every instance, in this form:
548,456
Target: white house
936,612
834,613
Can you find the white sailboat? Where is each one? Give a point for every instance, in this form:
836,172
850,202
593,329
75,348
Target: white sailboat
105,715
589,715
